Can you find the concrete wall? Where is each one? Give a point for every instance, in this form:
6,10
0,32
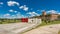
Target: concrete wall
34,20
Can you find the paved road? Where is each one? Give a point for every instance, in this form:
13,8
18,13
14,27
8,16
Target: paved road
51,29
18,27
14,28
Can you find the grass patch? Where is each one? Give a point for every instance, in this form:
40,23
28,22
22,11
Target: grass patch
9,21
54,22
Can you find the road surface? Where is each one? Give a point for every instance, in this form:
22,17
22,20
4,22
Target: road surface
15,28
50,29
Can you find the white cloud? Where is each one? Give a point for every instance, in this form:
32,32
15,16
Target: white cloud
24,7
52,12
21,7
13,15
19,15
6,15
33,14
1,3
43,10
13,11
38,10
12,3
59,13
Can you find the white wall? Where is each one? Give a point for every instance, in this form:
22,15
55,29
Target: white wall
35,20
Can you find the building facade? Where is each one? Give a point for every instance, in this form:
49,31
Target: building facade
49,16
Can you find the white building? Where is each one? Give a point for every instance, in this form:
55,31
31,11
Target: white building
34,20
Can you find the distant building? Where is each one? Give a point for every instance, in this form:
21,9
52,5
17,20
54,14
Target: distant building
49,16
54,16
44,13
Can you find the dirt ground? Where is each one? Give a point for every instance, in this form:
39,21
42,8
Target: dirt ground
50,29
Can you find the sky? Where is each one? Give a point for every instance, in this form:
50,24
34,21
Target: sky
27,8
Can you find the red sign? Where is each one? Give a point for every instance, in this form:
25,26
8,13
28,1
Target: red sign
24,19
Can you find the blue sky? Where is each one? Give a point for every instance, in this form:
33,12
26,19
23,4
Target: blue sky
27,8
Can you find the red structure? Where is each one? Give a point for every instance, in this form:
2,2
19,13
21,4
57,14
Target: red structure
24,19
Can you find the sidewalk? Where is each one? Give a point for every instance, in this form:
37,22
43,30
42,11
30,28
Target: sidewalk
15,28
